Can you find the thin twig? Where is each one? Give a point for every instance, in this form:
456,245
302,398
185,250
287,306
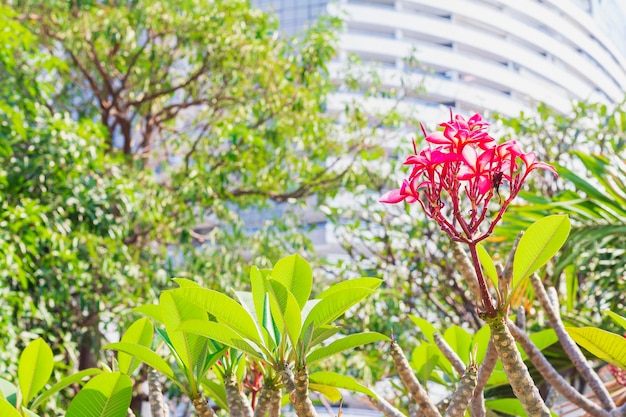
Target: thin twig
551,375
551,306
451,355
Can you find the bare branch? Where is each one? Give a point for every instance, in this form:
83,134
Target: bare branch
451,355
572,350
552,376
477,405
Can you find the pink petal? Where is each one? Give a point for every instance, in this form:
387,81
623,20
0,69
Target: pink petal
392,197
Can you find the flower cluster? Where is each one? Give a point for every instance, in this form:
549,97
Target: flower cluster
456,178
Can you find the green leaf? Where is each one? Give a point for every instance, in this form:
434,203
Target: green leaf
542,340
619,320
8,391
424,359
540,242
216,392
489,268
107,395
510,406
34,369
64,383
334,305
27,413
481,339
259,290
427,329
343,344
140,332
145,355
607,346
364,282
186,283
285,311
322,333
224,308
222,334
332,394
459,340
7,410
296,275
333,379
175,310
151,310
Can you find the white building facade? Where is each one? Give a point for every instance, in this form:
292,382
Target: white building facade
481,55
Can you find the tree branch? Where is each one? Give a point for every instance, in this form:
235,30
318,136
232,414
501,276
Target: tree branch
551,375
571,349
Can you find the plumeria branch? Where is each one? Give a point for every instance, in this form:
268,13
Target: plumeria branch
417,392
477,405
450,354
555,379
550,304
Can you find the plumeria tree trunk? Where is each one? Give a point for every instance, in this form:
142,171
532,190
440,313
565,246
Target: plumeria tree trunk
516,371
201,406
237,402
302,402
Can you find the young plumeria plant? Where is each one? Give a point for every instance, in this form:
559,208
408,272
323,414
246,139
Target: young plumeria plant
465,180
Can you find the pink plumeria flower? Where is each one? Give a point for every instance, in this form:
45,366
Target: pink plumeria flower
456,180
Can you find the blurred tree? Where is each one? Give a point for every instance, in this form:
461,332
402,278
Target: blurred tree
152,126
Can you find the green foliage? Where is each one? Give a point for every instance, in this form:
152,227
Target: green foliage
540,242
604,345
35,368
107,395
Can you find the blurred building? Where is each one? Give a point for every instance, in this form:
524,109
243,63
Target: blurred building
473,55
478,55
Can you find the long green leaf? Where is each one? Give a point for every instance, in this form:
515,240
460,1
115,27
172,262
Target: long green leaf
224,308
332,394
489,268
140,332
285,311
151,310
333,379
145,355
34,369
175,310
427,329
64,383
540,242
619,320
459,340
7,410
107,395
222,334
607,346
295,274
363,282
216,392
322,333
343,344
257,284
334,305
